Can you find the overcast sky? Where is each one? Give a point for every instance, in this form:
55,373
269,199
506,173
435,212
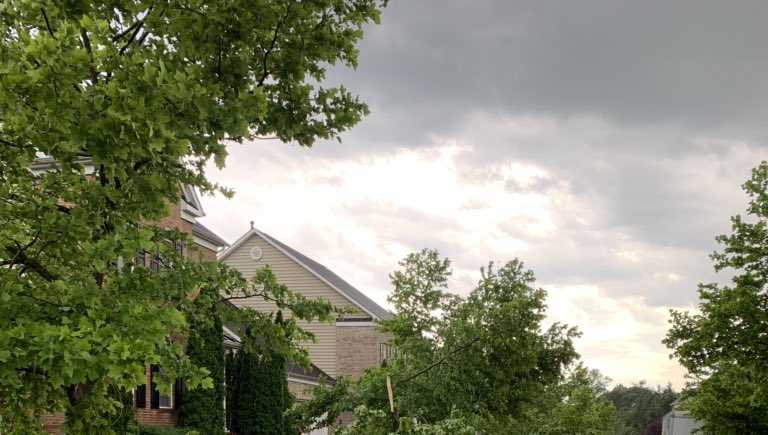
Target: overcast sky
601,142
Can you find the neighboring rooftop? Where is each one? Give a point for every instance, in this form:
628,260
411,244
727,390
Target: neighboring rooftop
205,233
319,270
311,374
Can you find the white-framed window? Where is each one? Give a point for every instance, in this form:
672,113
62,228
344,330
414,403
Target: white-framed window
165,401
160,400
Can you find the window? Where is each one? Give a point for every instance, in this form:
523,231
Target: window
159,400
140,396
139,259
386,351
165,401
155,262
178,246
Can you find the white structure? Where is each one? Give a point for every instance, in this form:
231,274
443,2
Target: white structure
679,422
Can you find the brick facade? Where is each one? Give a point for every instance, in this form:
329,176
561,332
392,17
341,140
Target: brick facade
148,416
358,348
154,417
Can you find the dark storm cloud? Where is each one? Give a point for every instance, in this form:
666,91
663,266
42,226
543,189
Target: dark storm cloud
695,63
648,112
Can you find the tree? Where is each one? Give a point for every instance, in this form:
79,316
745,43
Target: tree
203,409
484,362
149,91
641,407
260,396
723,345
576,405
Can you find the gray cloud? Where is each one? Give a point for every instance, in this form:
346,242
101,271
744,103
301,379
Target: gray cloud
694,63
645,115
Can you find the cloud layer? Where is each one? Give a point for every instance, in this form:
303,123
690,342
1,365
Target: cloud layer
602,143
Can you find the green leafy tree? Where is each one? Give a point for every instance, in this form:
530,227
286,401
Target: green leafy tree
261,394
723,345
484,362
231,390
149,91
640,407
203,409
576,405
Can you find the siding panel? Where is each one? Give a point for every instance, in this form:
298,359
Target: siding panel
298,279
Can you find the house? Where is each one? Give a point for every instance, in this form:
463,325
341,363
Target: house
150,407
679,422
345,347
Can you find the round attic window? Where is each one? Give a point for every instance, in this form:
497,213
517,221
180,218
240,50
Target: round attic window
256,253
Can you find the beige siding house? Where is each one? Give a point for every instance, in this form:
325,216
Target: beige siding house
343,348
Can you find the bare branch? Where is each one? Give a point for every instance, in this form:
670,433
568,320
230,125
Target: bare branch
128,30
265,58
139,25
87,46
47,23
31,263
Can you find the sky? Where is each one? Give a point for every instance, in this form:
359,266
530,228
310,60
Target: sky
601,142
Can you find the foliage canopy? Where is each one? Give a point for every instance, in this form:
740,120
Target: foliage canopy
148,91
723,345
485,362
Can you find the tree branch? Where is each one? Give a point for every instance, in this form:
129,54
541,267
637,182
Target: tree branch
128,30
138,26
47,23
440,361
87,46
265,58
31,263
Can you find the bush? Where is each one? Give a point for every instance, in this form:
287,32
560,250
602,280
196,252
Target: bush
261,395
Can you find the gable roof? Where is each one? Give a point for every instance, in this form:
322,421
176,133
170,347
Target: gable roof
323,273
311,374
205,233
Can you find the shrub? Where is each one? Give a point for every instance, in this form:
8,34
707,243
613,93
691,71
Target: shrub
203,409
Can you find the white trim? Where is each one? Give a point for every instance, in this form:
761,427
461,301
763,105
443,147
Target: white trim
187,216
195,208
302,381
205,244
225,253
253,231
159,406
232,333
349,324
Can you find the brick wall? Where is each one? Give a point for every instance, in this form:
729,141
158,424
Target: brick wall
357,348
52,423
174,220
147,416
300,390
154,417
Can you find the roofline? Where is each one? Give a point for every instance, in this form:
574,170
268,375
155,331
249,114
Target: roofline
210,240
232,333
254,231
